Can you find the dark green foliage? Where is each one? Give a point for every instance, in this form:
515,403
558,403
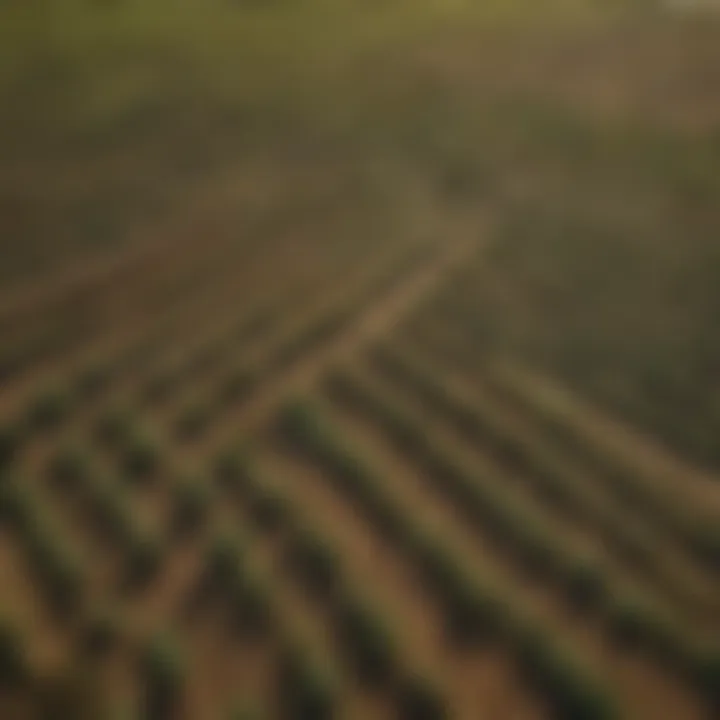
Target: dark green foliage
419,699
50,408
144,557
585,586
629,624
306,690
162,674
314,561
570,694
223,560
140,457
191,498
13,661
10,442
15,503
368,642
58,569
707,677
251,605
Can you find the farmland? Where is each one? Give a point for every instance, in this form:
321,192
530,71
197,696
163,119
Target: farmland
359,360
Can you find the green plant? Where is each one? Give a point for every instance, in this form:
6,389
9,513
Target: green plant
585,585
140,457
419,699
163,676
144,557
315,561
10,443
223,560
368,642
251,604
13,660
306,688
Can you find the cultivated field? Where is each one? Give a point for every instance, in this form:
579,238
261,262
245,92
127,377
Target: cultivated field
333,380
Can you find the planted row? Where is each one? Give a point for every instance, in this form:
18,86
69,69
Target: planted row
473,614
364,639
554,484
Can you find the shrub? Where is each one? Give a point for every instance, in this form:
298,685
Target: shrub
13,660
140,457
191,501
629,623
419,699
50,408
59,570
315,561
369,643
306,689
162,676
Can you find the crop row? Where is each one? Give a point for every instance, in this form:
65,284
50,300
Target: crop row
474,614
553,482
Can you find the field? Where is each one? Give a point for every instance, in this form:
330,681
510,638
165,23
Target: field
359,360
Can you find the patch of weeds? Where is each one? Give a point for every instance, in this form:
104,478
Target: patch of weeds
114,426
252,607
144,557
11,438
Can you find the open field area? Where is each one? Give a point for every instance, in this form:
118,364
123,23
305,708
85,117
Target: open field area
359,360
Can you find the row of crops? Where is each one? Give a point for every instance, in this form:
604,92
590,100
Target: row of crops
97,499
